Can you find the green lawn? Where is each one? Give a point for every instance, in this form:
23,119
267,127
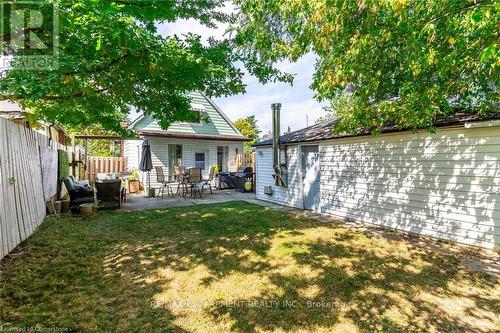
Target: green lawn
235,267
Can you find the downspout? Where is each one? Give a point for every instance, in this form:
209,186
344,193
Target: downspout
50,134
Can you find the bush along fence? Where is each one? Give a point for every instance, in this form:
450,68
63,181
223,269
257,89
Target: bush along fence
28,178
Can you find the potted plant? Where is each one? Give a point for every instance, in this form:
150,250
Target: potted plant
133,182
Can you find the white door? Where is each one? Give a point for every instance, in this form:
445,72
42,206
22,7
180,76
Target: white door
311,174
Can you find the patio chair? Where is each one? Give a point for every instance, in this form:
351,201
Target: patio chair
179,171
208,181
78,194
109,193
84,183
160,178
194,180
181,179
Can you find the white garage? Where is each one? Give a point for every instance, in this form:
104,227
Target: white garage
444,185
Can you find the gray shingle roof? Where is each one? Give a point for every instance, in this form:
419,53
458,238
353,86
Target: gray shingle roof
323,131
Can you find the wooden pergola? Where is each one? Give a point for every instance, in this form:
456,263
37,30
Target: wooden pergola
86,138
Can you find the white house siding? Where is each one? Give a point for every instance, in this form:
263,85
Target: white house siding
217,123
444,185
132,150
291,196
159,153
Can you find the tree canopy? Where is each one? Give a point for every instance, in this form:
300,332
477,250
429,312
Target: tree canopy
379,61
112,58
248,127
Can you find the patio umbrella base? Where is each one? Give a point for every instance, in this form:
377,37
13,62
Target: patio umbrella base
150,193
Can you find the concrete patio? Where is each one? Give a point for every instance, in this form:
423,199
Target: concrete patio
138,201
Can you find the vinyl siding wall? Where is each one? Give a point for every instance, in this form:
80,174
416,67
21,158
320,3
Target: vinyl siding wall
159,153
132,151
291,196
217,125
444,185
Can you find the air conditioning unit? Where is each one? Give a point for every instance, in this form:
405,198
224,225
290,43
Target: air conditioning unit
268,190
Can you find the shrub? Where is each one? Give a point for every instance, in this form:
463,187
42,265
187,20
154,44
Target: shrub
63,164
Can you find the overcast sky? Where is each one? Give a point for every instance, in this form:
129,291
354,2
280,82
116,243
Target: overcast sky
298,104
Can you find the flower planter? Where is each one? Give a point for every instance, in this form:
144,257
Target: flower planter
133,186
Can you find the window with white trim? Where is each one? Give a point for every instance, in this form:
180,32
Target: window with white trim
200,111
201,159
174,159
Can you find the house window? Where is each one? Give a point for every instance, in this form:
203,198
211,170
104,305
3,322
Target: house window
174,159
198,118
199,111
222,158
283,156
200,159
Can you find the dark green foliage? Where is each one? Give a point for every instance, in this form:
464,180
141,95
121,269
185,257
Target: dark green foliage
112,58
402,62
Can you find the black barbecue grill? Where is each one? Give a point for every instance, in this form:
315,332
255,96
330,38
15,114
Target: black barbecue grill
243,175
224,180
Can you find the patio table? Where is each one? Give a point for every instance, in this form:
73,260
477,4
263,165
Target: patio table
182,186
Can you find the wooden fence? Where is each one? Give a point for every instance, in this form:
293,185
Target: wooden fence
246,159
22,198
97,164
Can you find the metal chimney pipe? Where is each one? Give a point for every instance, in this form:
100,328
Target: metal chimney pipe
276,107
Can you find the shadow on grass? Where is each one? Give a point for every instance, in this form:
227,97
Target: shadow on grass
106,274
364,292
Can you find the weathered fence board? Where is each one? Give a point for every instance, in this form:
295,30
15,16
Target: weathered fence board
48,157
97,164
22,202
245,159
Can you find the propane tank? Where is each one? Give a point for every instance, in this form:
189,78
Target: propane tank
248,186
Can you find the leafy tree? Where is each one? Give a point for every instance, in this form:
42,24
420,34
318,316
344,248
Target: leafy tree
403,62
248,127
111,58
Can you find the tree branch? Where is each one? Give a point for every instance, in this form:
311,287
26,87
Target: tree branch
469,7
100,69
53,97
